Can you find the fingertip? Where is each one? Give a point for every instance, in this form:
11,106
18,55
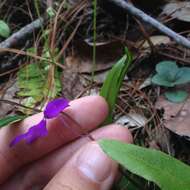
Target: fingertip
103,106
89,112
123,133
95,109
96,100
114,131
89,168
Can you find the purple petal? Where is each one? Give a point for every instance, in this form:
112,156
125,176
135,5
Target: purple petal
32,134
17,139
36,132
54,107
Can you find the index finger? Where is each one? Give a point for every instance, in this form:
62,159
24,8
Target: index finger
89,112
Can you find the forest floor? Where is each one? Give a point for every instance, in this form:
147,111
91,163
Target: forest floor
81,50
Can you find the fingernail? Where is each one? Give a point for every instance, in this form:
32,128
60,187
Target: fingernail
93,163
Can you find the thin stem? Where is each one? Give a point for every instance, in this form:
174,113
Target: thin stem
19,105
94,38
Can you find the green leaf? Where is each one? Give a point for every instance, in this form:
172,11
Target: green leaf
176,96
168,70
33,81
11,119
4,29
112,84
51,12
126,183
167,172
169,74
183,76
160,80
32,50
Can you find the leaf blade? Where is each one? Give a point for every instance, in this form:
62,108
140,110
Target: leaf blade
167,69
11,119
112,84
183,76
161,81
176,96
4,29
166,171
33,81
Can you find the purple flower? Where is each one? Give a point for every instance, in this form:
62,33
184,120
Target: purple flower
55,107
33,133
52,110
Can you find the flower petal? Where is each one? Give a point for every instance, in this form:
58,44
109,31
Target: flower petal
54,107
17,139
32,134
36,132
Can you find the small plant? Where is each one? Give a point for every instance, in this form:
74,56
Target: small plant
35,82
169,75
40,80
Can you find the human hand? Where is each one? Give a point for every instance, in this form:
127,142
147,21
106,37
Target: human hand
56,163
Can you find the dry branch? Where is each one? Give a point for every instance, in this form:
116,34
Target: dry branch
22,34
148,19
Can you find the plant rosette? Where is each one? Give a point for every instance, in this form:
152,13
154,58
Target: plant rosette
170,75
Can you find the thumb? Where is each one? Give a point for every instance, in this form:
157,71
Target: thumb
88,169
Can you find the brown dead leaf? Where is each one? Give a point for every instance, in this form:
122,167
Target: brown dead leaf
156,41
178,10
72,83
132,120
84,65
78,67
106,56
8,94
176,115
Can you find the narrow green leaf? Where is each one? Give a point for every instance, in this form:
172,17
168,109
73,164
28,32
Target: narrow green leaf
167,172
11,119
4,29
112,84
176,96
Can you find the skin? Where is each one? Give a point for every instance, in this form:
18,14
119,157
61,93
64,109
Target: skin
55,161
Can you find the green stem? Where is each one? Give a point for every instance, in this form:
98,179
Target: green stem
36,4
94,38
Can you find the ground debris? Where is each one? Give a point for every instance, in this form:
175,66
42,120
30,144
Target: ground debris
176,116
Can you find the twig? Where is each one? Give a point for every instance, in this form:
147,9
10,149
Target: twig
148,19
22,34
18,105
69,39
